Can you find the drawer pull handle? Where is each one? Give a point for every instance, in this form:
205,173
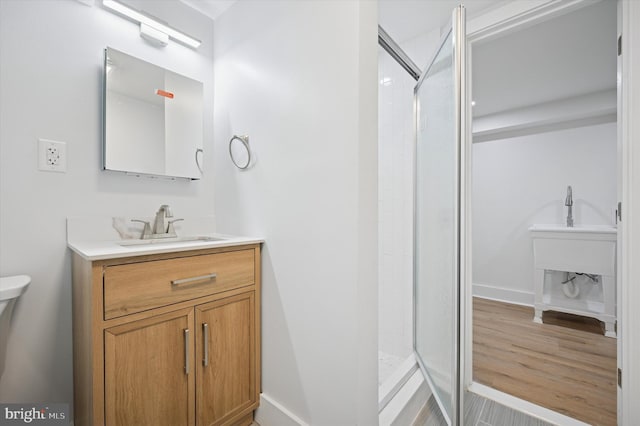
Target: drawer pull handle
186,351
192,279
205,332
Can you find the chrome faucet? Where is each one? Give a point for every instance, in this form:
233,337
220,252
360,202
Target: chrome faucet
160,229
159,226
569,203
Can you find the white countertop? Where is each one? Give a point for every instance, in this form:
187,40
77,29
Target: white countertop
101,238
99,250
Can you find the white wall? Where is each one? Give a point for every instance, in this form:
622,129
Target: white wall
300,79
521,181
51,55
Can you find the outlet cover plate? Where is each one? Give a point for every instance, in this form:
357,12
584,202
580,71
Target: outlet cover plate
52,156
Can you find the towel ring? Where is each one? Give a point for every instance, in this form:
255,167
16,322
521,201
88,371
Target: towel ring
237,158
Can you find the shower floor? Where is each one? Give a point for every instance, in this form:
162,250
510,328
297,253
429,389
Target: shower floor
387,364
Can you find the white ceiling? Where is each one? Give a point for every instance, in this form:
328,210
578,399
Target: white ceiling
570,55
567,56
211,8
405,19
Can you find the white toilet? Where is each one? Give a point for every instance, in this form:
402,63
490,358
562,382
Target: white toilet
10,289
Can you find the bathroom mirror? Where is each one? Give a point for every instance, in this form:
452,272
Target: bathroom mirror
153,119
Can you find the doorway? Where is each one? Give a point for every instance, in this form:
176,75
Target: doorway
504,22
543,119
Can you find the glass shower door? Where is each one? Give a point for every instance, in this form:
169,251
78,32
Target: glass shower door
439,106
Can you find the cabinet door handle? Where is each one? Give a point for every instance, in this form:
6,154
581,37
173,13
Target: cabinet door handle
186,351
205,333
192,279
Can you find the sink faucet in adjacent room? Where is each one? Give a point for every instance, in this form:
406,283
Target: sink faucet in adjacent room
569,203
159,226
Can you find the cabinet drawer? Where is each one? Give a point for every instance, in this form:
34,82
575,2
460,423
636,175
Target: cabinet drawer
141,286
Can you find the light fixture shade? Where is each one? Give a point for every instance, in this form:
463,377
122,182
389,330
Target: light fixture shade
151,23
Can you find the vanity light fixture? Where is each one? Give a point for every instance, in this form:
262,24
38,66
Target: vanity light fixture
149,33
151,28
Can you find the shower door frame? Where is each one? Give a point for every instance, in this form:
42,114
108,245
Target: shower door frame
457,32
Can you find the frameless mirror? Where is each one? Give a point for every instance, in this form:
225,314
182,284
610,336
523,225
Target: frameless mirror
153,119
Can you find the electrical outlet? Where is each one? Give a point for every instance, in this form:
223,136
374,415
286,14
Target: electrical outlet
52,156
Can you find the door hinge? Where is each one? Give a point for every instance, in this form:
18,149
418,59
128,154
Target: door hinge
619,45
619,212
619,377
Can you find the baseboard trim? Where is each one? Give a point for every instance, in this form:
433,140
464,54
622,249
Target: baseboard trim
501,294
272,413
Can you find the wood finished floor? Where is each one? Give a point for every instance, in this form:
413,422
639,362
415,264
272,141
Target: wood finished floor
566,364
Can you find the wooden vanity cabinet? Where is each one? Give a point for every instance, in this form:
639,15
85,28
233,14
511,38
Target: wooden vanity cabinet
226,383
169,339
145,380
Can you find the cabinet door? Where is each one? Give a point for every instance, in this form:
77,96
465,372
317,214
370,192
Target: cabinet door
226,358
149,366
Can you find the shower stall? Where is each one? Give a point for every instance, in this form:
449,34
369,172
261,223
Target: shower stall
395,206
396,153
421,130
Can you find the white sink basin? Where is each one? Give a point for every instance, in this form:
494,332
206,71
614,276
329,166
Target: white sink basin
589,249
580,249
174,240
